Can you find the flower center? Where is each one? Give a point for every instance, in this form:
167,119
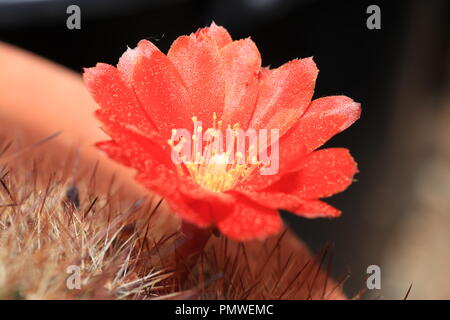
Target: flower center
217,159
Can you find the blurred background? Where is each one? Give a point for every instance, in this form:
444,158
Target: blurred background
397,214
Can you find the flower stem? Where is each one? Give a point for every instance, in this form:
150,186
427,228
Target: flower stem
191,245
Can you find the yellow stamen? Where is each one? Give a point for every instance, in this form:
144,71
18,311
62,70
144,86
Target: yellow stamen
214,169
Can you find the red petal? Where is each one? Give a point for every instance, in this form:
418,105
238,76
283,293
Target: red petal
324,118
187,199
249,220
159,87
322,174
150,156
315,209
142,151
306,208
218,34
153,173
241,65
264,72
115,98
256,181
199,64
163,183
129,58
113,150
284,95
273,200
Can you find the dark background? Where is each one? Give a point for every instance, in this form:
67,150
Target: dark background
370,66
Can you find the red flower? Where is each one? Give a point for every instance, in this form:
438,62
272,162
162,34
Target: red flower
209,77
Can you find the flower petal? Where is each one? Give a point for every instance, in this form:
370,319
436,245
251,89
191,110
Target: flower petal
284,95
248,220
151,157
322,174
114,151
216,33
302,207
115,98
272,200
241,65
323,119
158,87
141,151
129,58
186,198
156,174
315,209
199,65
164,184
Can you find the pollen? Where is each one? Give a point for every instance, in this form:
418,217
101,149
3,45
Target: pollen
217,159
